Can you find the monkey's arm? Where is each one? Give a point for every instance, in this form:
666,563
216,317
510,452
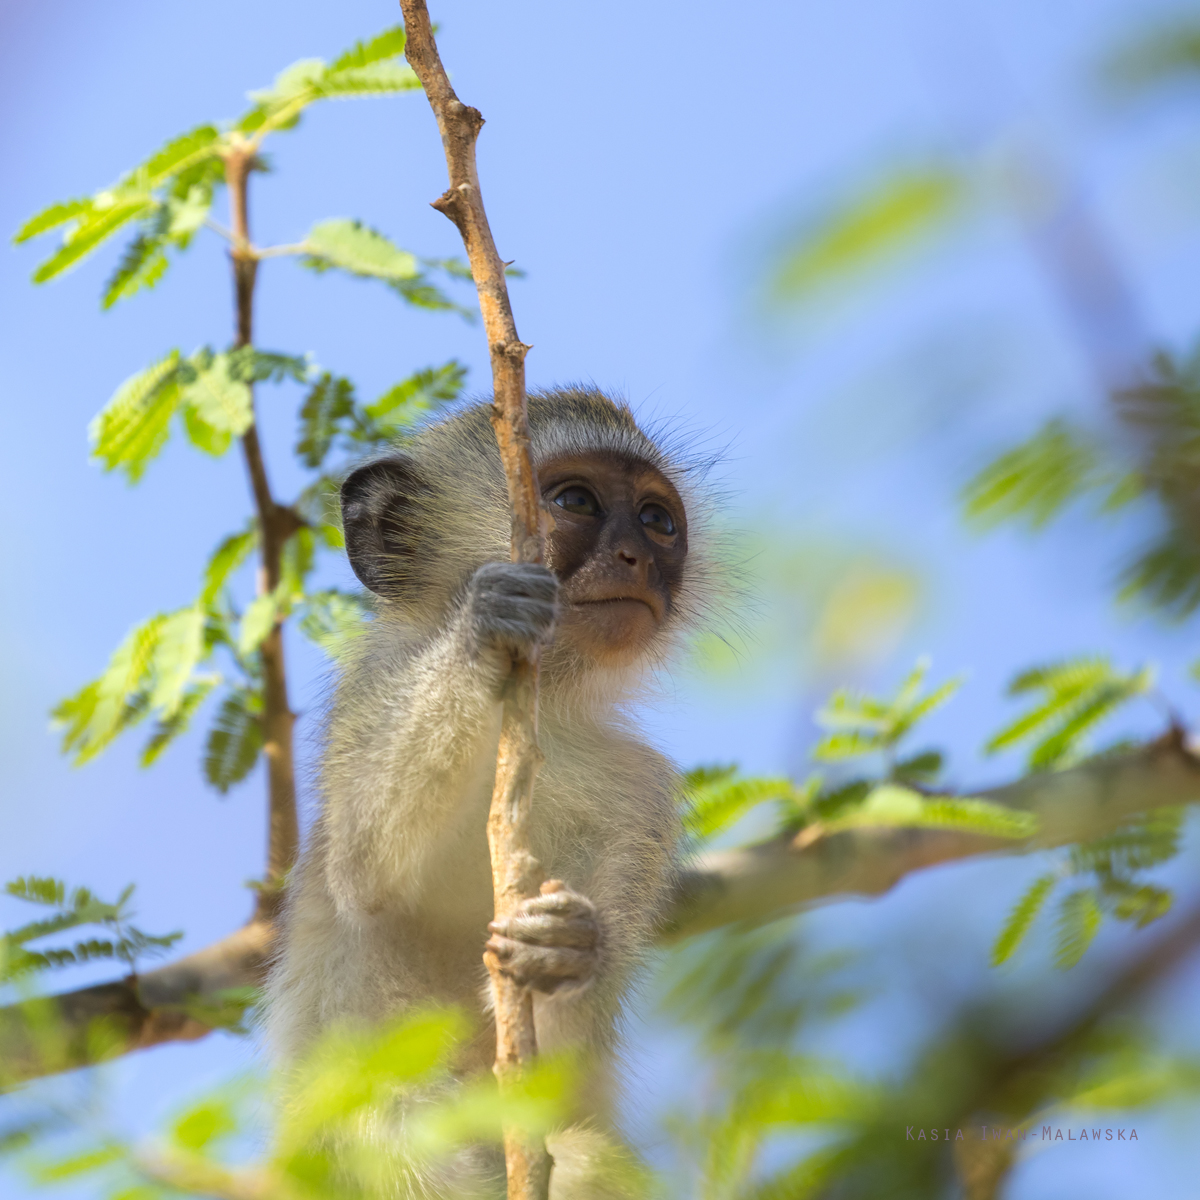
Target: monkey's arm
414,731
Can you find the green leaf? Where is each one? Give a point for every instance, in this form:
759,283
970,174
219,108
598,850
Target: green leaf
327,405
177,652
96,714
333,620
168,728
142,265
1076,696
834,747
79,1164
716,803
1021,919
216,406
402,405
235,740
38,889
258,621
225,560
388,44
1036,480
354,247
863,724
863,231
52,217
1143,905
132,428
891,805
376,79
209,1121
89,234
1078,923
179,154
251,365
920,768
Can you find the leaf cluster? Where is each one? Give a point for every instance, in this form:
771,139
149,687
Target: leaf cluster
1037,480
363,1114
169,196
73,909
1070,699
1104,878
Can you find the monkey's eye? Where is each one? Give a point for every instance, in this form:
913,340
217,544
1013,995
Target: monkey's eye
578,500
656,519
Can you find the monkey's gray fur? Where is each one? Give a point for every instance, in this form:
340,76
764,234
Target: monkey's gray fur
389,903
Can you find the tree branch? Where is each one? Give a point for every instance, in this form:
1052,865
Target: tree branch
92,1024
516,874
757,882
750,884
276,524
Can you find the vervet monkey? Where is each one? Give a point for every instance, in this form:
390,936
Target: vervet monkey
389,905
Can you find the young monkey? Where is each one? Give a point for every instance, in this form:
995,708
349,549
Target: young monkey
390,903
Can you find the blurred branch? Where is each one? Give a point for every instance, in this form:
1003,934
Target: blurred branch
169,1004
754,883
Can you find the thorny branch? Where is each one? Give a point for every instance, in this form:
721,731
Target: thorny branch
516,874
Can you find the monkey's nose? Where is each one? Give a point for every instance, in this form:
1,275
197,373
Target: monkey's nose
627,556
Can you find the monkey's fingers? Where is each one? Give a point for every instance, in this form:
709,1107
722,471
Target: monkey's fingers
548,929
563,903
542,967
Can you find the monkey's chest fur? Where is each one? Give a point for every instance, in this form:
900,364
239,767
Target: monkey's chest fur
389,905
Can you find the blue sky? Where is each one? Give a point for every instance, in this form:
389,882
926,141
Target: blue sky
639,162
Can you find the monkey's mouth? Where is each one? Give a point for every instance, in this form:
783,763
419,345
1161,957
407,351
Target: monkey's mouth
619,604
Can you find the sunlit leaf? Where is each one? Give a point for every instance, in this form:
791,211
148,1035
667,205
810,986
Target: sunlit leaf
1078,923
1036,480
51,217
225,560
96,228
132,428
354,247
216,406
1021,919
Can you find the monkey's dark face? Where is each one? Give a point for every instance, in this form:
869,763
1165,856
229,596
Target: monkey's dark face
618,549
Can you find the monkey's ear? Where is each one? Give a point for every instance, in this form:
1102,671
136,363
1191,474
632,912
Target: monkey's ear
381,523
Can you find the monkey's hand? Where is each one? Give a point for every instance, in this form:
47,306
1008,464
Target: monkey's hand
511,607
550,941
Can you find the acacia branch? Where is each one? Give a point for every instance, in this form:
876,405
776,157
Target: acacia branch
516,874
276,524
755,883
169,1004
751,884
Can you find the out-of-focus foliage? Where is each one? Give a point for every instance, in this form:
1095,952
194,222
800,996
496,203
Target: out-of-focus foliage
1035,481
363,1115
1161,55
1072,698
862,230
1105,877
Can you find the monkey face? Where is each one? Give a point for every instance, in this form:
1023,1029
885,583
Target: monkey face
618,549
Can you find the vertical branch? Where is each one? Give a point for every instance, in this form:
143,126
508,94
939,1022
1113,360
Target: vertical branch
275,525
516,874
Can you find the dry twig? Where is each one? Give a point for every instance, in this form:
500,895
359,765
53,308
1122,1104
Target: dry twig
516,874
